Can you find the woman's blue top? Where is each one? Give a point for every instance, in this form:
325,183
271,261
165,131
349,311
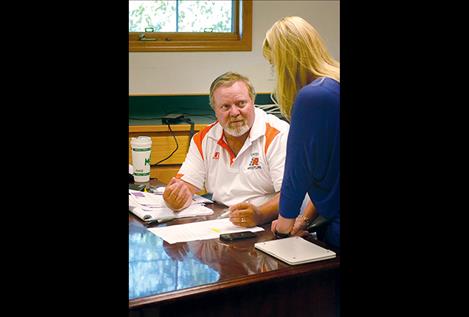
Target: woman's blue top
313,155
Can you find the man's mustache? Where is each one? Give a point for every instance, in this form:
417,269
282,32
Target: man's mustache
239,120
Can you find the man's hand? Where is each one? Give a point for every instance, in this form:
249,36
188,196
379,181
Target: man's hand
177,194
245,215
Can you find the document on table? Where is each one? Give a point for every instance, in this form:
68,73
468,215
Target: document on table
150,207
202,230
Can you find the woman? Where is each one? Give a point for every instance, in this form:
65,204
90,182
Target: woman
308,93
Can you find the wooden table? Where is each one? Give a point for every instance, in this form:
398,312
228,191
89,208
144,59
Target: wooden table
215,278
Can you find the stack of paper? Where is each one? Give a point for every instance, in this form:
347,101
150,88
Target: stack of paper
151,207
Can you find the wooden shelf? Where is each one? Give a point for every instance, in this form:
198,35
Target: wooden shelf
163,145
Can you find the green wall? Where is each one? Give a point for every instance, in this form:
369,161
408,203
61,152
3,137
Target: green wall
152,107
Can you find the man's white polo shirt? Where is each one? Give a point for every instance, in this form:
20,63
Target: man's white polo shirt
254,175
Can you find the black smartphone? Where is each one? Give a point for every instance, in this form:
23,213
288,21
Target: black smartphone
227,237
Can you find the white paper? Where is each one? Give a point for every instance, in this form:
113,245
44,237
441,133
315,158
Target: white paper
148,207
156,213
159,190
202,230
146,199
201,200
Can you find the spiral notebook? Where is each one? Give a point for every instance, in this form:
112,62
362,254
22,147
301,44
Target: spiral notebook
295,250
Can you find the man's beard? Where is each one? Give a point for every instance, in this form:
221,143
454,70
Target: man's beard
237,131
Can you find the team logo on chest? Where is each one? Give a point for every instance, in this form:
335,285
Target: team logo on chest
254,163
216,155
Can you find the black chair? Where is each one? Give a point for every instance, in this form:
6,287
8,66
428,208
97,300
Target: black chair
318,225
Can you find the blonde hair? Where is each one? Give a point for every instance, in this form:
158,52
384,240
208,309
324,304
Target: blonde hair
296,50
228,79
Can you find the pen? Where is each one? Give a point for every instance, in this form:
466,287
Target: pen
227,213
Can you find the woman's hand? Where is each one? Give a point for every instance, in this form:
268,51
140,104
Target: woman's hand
299,226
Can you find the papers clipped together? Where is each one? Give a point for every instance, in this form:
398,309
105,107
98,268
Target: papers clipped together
151,207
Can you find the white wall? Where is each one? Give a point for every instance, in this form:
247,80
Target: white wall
193,72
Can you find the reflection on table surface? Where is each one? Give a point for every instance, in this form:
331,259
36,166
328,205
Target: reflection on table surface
153,271
157,267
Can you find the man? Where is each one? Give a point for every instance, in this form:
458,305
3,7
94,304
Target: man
239,158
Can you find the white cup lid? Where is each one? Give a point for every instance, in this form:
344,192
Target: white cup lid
141,141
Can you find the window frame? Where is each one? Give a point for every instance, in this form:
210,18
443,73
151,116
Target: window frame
239,40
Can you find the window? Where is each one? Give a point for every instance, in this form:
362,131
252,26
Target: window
188,25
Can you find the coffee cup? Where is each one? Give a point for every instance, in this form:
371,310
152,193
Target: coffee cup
141,154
